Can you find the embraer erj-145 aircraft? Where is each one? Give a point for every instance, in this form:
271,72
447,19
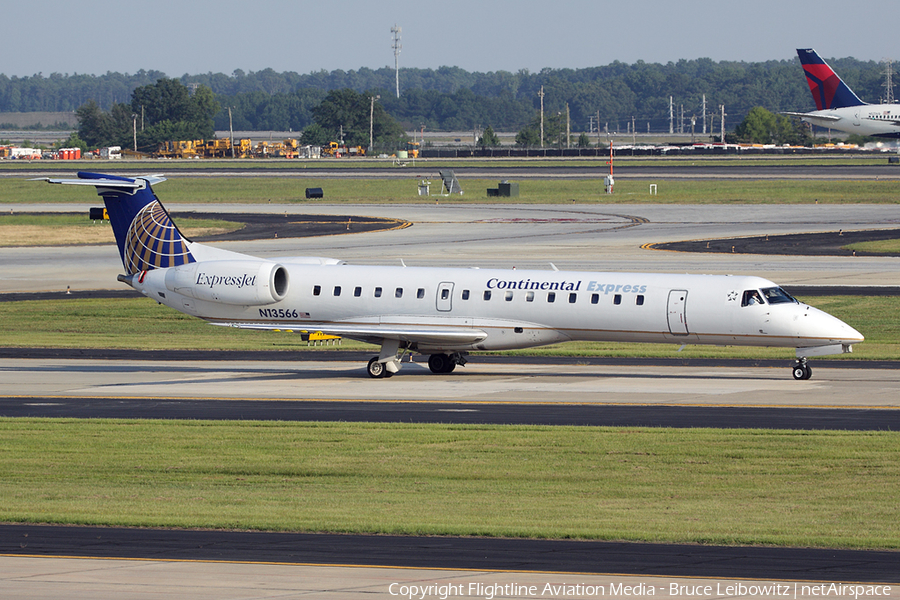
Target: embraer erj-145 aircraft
839,108
448,312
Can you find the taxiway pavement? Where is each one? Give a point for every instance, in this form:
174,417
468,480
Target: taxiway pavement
494,382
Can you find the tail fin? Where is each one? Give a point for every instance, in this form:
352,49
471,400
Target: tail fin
828,90
146,236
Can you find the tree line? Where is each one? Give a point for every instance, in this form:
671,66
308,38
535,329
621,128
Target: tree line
613,96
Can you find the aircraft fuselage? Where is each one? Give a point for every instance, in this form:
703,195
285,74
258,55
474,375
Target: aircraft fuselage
455,309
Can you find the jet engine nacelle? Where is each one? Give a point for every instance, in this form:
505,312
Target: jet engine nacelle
239,282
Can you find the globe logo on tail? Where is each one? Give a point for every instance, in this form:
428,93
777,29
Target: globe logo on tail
153,241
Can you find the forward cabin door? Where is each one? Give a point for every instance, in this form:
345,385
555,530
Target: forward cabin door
676,307
444,298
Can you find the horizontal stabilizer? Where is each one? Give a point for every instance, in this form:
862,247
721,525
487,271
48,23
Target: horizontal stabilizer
104,182
815,116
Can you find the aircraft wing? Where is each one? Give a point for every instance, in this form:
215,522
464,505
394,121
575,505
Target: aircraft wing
376,333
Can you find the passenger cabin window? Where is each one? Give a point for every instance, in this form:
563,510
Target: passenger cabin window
378,292
398,293
572,297
445,294
751,297
595,298
551,296
529,296
465,294
337,290
776,295
317,289
357,291
509,296
487,294
617,299
420,293
639,300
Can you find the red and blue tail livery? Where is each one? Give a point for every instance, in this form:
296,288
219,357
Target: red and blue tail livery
838,107
828,90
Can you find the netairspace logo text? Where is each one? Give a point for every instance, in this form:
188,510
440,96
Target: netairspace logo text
489,591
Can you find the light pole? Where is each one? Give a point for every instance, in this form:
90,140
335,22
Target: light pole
372,120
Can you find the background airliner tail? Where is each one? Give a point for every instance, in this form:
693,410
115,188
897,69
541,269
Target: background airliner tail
828,90
146,236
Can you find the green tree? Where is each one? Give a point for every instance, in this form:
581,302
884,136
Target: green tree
529,137
554,132
346,112
489,139
314,135
167,99
584,141
761,126
160,112
167,108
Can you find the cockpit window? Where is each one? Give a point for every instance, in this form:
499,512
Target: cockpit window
776,295
751,297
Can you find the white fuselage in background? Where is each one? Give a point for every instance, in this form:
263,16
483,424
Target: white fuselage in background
865,119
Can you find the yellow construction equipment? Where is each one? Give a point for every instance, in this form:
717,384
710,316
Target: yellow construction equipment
221,148
335,150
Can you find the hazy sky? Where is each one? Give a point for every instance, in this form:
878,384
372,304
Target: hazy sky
199,36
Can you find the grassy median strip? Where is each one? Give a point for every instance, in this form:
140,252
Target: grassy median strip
835,489
268,189
39,229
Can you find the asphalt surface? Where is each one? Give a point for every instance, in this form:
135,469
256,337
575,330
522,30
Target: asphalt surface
609,415
266,226
832,243
561,556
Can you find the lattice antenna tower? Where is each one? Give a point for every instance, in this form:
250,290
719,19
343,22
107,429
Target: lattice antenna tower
396,46
888,80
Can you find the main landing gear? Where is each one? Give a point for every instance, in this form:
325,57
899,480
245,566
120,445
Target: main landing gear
444,363
801,370
385,366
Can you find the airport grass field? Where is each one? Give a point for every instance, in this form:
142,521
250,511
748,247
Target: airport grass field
180,189
798,488
721,486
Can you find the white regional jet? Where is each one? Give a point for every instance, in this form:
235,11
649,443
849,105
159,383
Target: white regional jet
838,107
448,312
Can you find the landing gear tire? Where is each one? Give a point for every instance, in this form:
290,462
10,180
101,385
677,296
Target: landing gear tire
802,372
441,363
377,369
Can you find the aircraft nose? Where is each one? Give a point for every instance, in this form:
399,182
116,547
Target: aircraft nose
829,328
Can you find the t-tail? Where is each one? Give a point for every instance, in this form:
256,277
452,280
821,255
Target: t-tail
828,90
146,236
